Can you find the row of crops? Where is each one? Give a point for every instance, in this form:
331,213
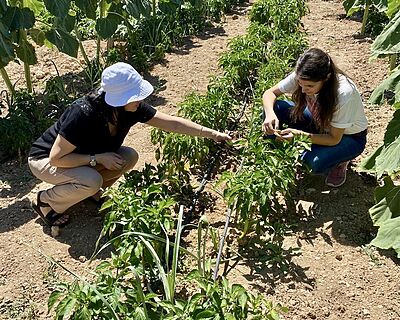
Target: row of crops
150,275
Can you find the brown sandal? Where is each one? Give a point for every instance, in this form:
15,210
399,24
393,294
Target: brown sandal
52,218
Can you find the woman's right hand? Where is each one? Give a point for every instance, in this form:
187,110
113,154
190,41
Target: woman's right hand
271,123
110,160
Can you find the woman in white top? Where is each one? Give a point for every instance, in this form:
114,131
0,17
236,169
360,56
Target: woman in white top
326,107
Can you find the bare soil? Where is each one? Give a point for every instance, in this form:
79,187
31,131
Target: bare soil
329,274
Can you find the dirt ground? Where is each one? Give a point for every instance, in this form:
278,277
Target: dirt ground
330,273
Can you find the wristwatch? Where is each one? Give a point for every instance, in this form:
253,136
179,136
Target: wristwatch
92,161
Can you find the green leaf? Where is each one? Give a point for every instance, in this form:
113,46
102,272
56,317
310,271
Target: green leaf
35,5
106,27
387,204
6,46
386,157
388,42
352,6
83,314
88,7
53,298
17,18
392,83
67,23
138,8
393,7
26,52
59,8
389,161
168,7
206,314
389,236
393,129
63,41
3,6
368,163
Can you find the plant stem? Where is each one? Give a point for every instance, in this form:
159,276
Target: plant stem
82,49
28,78
154,7
393,61
365,18
27,68
7,80
101,15
221,244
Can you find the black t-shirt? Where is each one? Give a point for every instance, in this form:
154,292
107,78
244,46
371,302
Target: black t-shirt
85,125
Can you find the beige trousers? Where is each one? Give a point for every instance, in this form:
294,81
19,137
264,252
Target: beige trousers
72,185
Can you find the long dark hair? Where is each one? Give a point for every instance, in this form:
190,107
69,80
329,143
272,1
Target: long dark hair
316,65
111,114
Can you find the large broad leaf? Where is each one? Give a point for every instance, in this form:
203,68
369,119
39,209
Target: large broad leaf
386,214
26,52
59,8
138,8
106,27
387,198
17,18
393,7
6,46
3,7
393,129
63,41
386,159
392,83
389,236
35,5
67,23
88,7
388,42
167,6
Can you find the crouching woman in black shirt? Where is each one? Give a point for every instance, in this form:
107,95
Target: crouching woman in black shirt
82,152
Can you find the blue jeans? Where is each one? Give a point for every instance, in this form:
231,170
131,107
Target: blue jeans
320,159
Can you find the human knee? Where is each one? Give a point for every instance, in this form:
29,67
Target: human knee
130,156
315,164
91,182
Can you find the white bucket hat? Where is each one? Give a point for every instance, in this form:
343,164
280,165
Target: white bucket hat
123,84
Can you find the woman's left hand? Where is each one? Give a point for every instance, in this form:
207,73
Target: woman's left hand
289,133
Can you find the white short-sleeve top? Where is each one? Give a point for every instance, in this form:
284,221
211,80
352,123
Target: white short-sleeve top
349,114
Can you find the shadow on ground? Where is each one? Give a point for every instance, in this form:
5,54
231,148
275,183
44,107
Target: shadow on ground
82,232
337,215
344,210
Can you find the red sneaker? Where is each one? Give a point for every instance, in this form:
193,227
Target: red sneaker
337,176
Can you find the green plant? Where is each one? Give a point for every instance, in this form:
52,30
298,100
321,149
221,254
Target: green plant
281,15
263,182
27,116
221,300
352,6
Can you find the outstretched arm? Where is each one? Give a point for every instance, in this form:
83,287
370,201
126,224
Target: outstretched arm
180,125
